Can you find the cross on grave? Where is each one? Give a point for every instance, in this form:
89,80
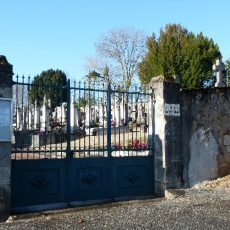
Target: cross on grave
218,67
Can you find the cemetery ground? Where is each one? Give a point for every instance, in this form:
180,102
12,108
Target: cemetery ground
88,145
205,206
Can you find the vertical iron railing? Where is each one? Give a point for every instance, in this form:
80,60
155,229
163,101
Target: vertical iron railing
109,113
119,118
68,137
153,101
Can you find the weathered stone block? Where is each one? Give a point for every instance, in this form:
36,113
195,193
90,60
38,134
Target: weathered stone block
5,151
174,175
5,173
4,202
203,163
228,148
174,193
159,171
5,92
159,189
226,139
157,148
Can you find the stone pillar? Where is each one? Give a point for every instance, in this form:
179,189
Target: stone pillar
167,136
6,73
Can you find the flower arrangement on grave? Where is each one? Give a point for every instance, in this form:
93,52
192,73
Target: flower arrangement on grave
137,145
132,145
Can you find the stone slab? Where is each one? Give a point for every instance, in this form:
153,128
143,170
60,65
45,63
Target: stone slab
174,193
4,202
159,189
5,152
5,173
226,139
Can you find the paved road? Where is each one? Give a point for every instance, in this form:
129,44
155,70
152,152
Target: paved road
197,209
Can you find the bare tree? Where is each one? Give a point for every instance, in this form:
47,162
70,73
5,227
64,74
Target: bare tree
124,49
94,64
103,67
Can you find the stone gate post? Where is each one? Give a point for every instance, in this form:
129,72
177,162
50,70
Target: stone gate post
167,136
6,73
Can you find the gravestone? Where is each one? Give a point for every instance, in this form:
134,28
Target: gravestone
102,112
19,118
45,120
30,119
75,115
36,115
6,73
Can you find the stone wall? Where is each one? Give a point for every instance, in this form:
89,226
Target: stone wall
194,146
206,134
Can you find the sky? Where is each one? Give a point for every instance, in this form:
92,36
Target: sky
61,34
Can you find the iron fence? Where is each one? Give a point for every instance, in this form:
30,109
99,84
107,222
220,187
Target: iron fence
80,120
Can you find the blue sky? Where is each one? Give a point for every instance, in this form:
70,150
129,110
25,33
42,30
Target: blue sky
61,34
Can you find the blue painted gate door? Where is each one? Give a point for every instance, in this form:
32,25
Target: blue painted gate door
99,147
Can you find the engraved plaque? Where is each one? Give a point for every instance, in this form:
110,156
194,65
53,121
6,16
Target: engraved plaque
172,109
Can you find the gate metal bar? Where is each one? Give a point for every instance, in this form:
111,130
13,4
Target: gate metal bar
68,148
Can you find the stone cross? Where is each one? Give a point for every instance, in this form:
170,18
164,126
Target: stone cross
218,67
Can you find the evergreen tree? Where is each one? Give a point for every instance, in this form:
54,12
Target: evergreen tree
50,84
179,53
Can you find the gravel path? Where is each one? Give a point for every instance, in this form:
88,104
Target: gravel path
207,208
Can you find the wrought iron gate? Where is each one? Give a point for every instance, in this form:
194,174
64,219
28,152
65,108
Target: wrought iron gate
81,142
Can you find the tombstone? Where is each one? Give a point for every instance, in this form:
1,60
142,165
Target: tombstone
116,112
59,114
45,122
43,116
63,112
126,108
218,68
101,113
89,116
141,113
36,115
24,118
30,119
19,119
75,115
123,111
113,115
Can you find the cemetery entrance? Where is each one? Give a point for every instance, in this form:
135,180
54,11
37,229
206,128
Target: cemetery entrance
81,142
